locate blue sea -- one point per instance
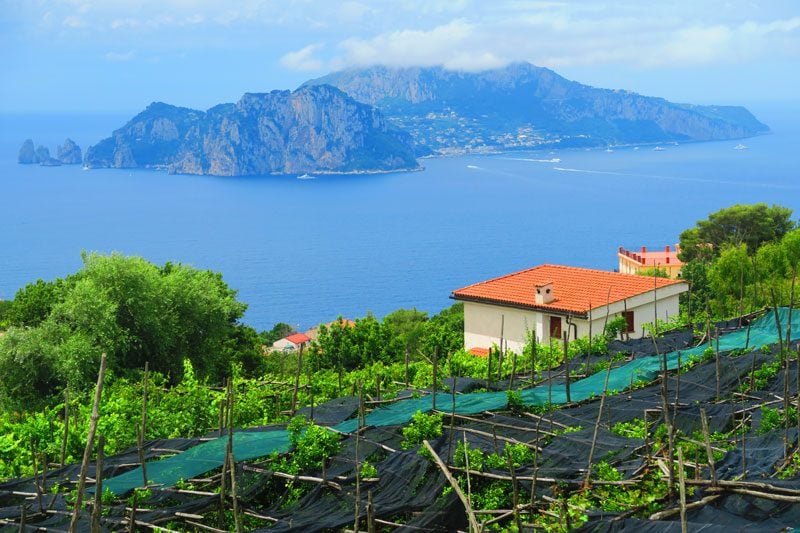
(307, 251)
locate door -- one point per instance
(555, 327)
(629, 322)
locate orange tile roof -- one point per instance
(298, 338)
(480, 352)
(576, 290)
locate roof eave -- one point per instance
(524, 307)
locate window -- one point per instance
(555, 327)
(629, 321)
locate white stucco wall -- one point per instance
(483, 322)
(284, 344)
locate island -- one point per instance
(523, 106)
(315, 129)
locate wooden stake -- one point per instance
(716, 362)
(435, 375)
(370, 513)
(144, 399)
(98, 485)
(66, 427)
(682, 489)
(513, 370)
(566, 364)
(236, 518)
(36, 475)
(132, 521)
(473, 522)
(87, 453)
(586, 482)
(709, 452)
(357, 512)
(466, 467)
(668, 423)
(297, 380)
(515, 489)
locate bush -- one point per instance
(422, 427)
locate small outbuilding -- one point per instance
(550, 300)
(291, 342)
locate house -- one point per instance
(666, 259)
(291, 343)
(550, 300)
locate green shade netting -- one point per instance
(209, 455)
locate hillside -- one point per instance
(313, 129)
(523, 106)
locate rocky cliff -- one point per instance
(522, 105)
(313, 129)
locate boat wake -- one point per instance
(553, 160)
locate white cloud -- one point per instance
(456, 45)
(303, 59)
(119, 57)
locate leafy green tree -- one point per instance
(746, 224)
(133, 311)
(446, 330)
(729, 276)
(278, 331)
(5, 308)
(28, 367)
(404, 329)
(653, 272)
(33, 303)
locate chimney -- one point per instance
(644, 249)
(620, 249)
(667, 257)
(544, 293)
(667, 249)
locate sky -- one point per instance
(120, 55)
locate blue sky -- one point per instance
(120, 55)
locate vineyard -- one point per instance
(651, 435)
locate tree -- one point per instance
(729, 276)
(404, 329)
(653, 272)
(446, 330)
(33, 302)
(133, 311)
(278, 331)
(746, 224)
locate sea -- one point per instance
(305, 251)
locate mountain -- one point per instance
(313, 129)
(523, 106)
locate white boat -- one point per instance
(659, 149)
(740, 146)
(609, 150)
(305, 177)
(85, 167)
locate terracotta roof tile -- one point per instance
(298, 338)
(480, 352)
(576, 290)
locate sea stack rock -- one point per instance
(69, 153)
(42, 154)
(27, 154)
